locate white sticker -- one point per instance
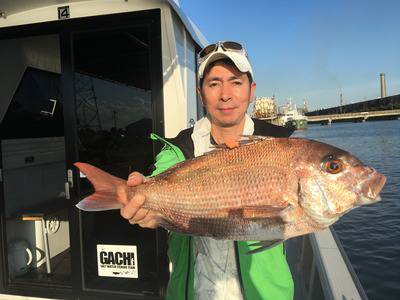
(63, 12)
(117, 261)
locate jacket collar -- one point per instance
(202, 130)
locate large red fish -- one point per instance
(267, 189)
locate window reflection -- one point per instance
(114, 121)
(36, 109)
(33, 175)
(114, 124)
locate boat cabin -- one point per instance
(86, 81)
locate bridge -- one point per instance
(387, 103)
(355, 116)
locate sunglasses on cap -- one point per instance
(226, 46)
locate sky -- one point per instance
(310, 49)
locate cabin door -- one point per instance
(116, 80)
(88, 91)
(35, 202)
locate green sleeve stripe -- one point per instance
(169, 155)
(177, 151)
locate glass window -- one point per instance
(33, 170)
(114, 118)
(36, 109)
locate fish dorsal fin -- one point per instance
(263, 245)
(243, 140)
(252, 139)
(215, 148)
(170, 170)
(262, 211)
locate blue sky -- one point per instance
(310, 49)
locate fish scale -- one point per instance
(230, 179)
(266, 189)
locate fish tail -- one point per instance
(108, 192)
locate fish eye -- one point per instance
(333, 166)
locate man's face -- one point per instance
(226, 94)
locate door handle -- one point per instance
(70, 178)
(67, 194)
(69, 184)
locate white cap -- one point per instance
(238, 58)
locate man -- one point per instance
(205, 268)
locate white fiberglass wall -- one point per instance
(187, 64)
(179, 67)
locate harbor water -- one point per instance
(371, 234)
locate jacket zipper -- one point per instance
(238, 268)
(188, 269)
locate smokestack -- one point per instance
(383, 85)
(341, 103)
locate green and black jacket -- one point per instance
(264, 275)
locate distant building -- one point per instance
(305, 106)
(291, 116)
(290, 106)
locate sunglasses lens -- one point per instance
(227, 45)
(232, 45)
(207, 50)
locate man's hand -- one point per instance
(132, 210)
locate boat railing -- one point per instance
(321, 268)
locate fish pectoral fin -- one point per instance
(263, 245)
(264, 211)
(171, 226)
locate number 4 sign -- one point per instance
(63, 12)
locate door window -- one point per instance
(33, 170)
(114, 120)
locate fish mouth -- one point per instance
(368, 190)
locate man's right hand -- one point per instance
(132, 210)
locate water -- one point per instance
(371, 234)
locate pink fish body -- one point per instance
(268, 189)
